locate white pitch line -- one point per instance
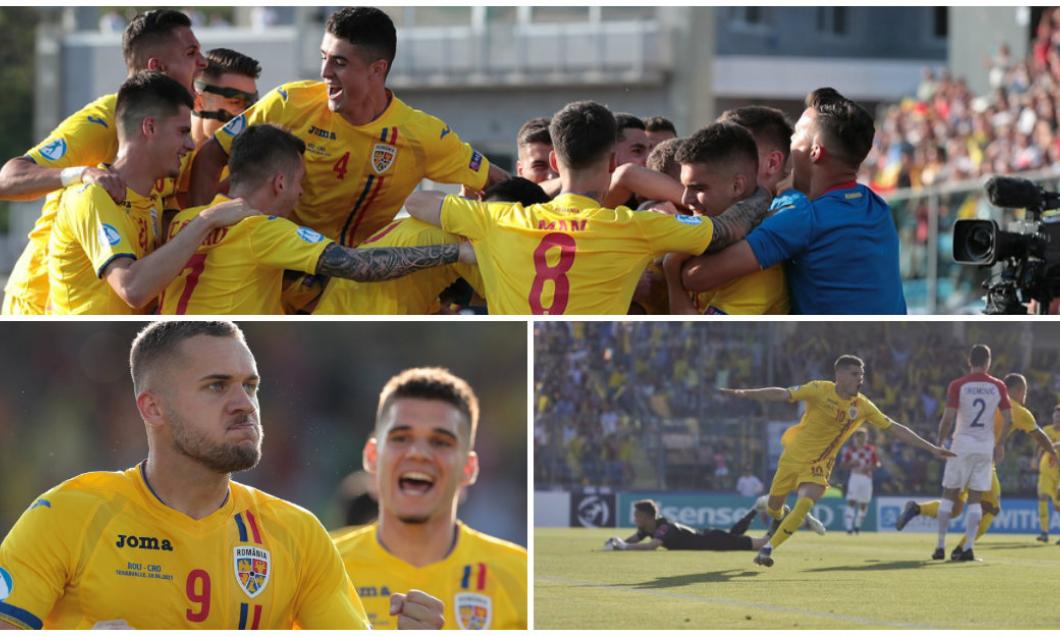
(780, 609)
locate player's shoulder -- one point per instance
(494, 547)
(353, 540)
(419, 121)
(298, 92)
(271, 507)
(87, 491)
(83, 196)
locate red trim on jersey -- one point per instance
(367, 204)
(953, 391)
(842, 186)
(481, 582)
(253, 527)
(257, 615)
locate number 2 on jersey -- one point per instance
(981, 404)
(556, 273)
(198, 594)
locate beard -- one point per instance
(221, 458)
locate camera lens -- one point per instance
(980, 243)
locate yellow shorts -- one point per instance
(993, 496)
(18, 306)
(790, 474)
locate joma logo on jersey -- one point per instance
(319, 132)
(143, 543)
(366, 592)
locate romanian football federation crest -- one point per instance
(473, 611)
(383, 156)
(252, 569)
(853, 412)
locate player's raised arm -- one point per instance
(426, 206)
(385, 263)
(907, 435)
(138, 282)
(206, 173)
(765, 394)
(1045, 445)
(631, 178)
(23, 180)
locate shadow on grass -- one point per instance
(664, 582)
(1012, 545)
(870, 566)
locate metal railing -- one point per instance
(934, 283)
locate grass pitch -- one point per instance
(836, 581)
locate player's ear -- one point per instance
(155, 64)
(148, 126)
(470, 469)
(379, 69)
(775, 162)
(370, 456)
(150, 408)
(279, 183)
(739, 182)
(612, 164)
(553, 162)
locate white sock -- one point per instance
(848, 518)
(971, 523)
(945, 510)
(859, 519)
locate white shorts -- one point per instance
(969, 470)
(859, 488)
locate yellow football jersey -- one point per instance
(568, 256)
(483, 581)
(239, 269)
(828, 421)
(1022, 420)
(102, 546)
(358, 177)
(416, 293)
(1045, 466)
(758, 293)
(89, 232)
(86, 138)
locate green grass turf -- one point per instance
(836, 581)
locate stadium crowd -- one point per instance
(945, 133)
(610, 393)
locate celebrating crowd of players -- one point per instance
(290, 205)
(223, 555)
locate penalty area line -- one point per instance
(711, 600)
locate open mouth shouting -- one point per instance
(415, 484)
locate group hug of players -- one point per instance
(174, 542)
(186, 194)
(981, 413)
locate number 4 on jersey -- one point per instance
(340, 166)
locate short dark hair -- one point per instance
(979, 356)
(845, 123)
(769, 126)
(647, 506)
(516, 190)
(847, 360)
(431, 383)
(534, 131)
(261, 151)
(158, 340)
(583, 133)
(663, 157)
(1015, 380)
(657, 124)
(369, 28)
(221, 61)
(627, 120)
(149, 94)
(719, 142)
(146, 30)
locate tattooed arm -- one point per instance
(736, 222)
(370, 265)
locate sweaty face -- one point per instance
(172, 141)
(181, 58)
(848, 380)
(709, 188)
(347, 74)
(209, 402)
(421, 453)
(801, 144)
(533, 162)
(632, 147)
